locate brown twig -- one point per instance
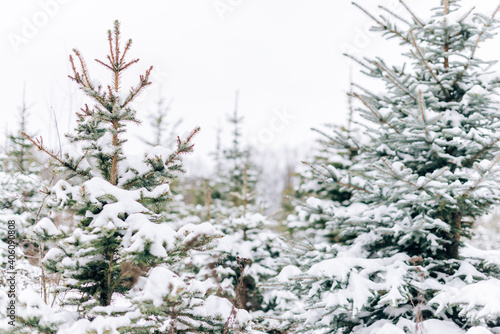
(39, 145)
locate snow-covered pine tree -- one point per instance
(116, 265)
(245, 256)
(238, 171)
(163, 129)
(309, 238)
(222, 193)
(21, 151)
(429, 169)
(23, 189)
(314, 195)
(20, 185)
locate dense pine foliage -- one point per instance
(373, 238)
(428, 169)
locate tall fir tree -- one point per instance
(429, 169)
(117, 265)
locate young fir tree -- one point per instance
(336, 148)
(21, 200)
(238, 172)
(20, 150)
(429, 169)
(164, 129)
(117, 264)
(309, 237)
(20, 185)
(245, 256)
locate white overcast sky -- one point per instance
(285, 57)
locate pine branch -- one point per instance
(384, 26)
(481, 178)
(466, 15)
(422, 187)
(39, 144)
(85, 84)
(381, 120)
(344, 144)
(487, 25)
(395, 176)
(484, 150)
(358, 61)
(334, 178)
(366, 91)
(104, 64)
(411, 13)
(84, 69)
(394, 14)
(446, 93)
(110, 42)
(127, 47)
(391, 77)
(183, 147)
(135, 91)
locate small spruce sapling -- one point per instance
(123, 245)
